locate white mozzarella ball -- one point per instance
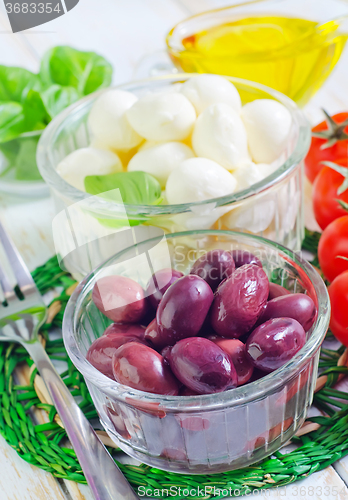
(204, 90)
(219, 134)
(254, 216)
(268, 125)
(148, 144)
(251, 173)
(198, 179)
(108, 123)
(160, 160)
(88, 161)
(162, 117)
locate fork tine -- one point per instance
(20, 270)
(6, 287)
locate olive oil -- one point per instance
(294, 56)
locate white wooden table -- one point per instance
(123, 31)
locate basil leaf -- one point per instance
(56, 98)
(25, 162)
(85, 71)
(136, 188)
(35, 114)
(15, 83)
(11, 120)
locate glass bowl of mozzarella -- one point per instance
(174, 153)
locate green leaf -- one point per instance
(136, 188)
(15, 83)
(11, 120)
(85, 71)
(35, 114)
(25, 164)
(20, 154)
(56, 98)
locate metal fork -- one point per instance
(20, 321)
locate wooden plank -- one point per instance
(121, 31)
(341, 466)
(22, 481)
(30, 225)
(14, 49)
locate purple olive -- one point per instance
(129, 329)
(297, 306)
(257, 375)
(166, 352)
(274, 343)
(118, 421)
(183, 309)
(242, 257)
(142, 368)
(152, 335)
(237, 353)
(202, 366)
(239, 301)
(101, 350)
(121, 299)
(214, 267)
(159, 282)
(185, 391)
(276, 291)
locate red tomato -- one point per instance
(317, 155)
(338, 291)
(325, 205)
(333, 244)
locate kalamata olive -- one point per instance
(121, 299)
(174, 454)
(239, 301)
(242, 257)
(142, 368)
(296, 305)
(118, 421)
(153, 335)
(257, 374)
(101, 350)
(159, 282)
(276, 291)
(129, 329)
(183, 309)
(237, 353)
(275, 342)
(202, 366)
(214, 267)
(166, 353)
(185, 391)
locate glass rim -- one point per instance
(57, 183)
(233, 397)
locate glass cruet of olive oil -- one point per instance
(289, 45)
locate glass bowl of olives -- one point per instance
(200, 349)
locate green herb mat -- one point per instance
(43, 445)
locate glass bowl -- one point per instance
(18, 169)
(209, 433)
(294, 57)
(272, 208)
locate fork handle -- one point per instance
(103, 475)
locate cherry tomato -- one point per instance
(338, 291)
(325, 194)
(338, 150)
(333, 245)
